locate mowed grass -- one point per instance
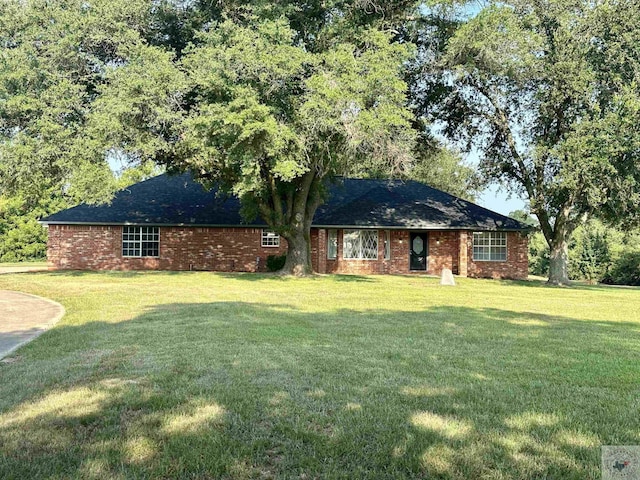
(28, 263)
(202, 375)
(34, 263)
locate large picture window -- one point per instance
(270, 239)
(360, 244)
(140, 241)
(490, 246)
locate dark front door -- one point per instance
(418, 249)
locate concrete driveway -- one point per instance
(23, 317)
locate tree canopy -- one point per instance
(267, 100)
(548, 92)
(251, 108)
(54, 57)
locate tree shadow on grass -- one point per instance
(253, 277)
(242, 276)
(238, 390)
(355, 278)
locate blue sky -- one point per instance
(495, 197)
(496, 200)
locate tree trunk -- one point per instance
(298, 261)
(558, 262)
(297, 225)
(557, 237)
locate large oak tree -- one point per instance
(267, 100)
(254, 109)
(548, 92)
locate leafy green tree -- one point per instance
(268, 100)
(21, 236)
(625, 258)
(443, 168)
(626, 270)
(538, 255)
(590, 253)
(524, 216)
(253, 109)
(273, 120)
(54, 57)
(597, 253)
(548, 92)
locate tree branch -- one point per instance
(501, 122)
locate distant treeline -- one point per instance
(22, 238)
(597, 253)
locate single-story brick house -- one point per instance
(366, 226)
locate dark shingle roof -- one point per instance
(178, 200)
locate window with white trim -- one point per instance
(360, 244)
(140, 241)
(332, 244)
(490, 246)
(270, 239)
(387, 245)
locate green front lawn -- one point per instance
(29, 263)
(200, 375)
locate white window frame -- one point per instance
(269, 239)
(358, 248)
(387, 244)
(135, 237)
(332, 244)
(490, 247)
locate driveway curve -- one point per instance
(23, 317)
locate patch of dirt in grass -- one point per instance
(326, 430)
(10, 360)
(129, 417)
(119, 382)
(111, 360)
(274, 457)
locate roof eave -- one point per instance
(259, 225)
(153, 224)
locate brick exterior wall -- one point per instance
(443, 251)
(83, 247)
(517, 264)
